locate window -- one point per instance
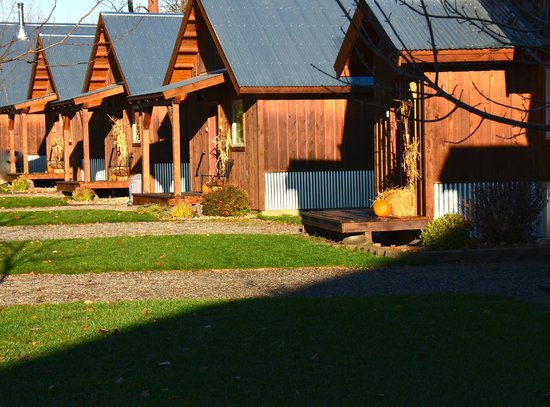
(237, 131)
(134, 121)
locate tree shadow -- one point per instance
(314, 345)
(15, 254)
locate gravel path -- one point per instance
(528, 281)
(250, 226)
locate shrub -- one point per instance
(452, 231)
(181, 211)
(83, 194)
(5, 187)
(20, 184)
(155, 210)
(227, 201)
(505, 212)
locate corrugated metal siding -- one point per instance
(97, 170)
(318, 190)
(164, 177)
(280, 43)
(457, 24)
(450, 198)
(37, 163)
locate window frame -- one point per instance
(235, 122)
(135, 125)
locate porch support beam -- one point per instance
(67, 150)
(145, 122)
(12, 144)
(86, 143)
(176, 148)
(25, 141)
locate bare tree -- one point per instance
(528, 31)
(173, 6)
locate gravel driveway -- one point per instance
(528, 281)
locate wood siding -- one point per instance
(317, 134)
(464, 148)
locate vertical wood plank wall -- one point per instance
(317, 134)
(464, 148)
(36, 134)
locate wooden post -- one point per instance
(86, 143)
(66, 128)
(176, 148)
(12, 144)
(25, 141)
(145, 121)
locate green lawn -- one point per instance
(183, 252)
(286, 219)
(31, 202)
(70, 217)
(431, 350)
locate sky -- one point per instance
(65, 11)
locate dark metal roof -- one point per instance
(143, 45)
(280, 43)
(67, 62)
(456, 24)
(17, 56)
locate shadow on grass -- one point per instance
(15, 254)
(452, 350)
(10, 255)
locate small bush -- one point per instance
(20, 184)
(181, 211)
(505, 212)
(83, 194)
(5, 188)
(155, 210)
(227, 201)
(452, 231)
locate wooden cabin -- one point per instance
(39, 76)
(245, 81)
(130, 55)
(478, 106)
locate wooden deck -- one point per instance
(70, 186)
(359, 221)
(166, 199)
(36, 176)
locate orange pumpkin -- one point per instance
(382, 208)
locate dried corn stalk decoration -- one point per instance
(119, 140)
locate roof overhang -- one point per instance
(35, 105)
(347, 87)
(179, 91)
(456, 56)
(92, 99)
(349, 41)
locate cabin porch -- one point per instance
(36, 176)
(69, 186)
(359, 221)
(166, 199)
